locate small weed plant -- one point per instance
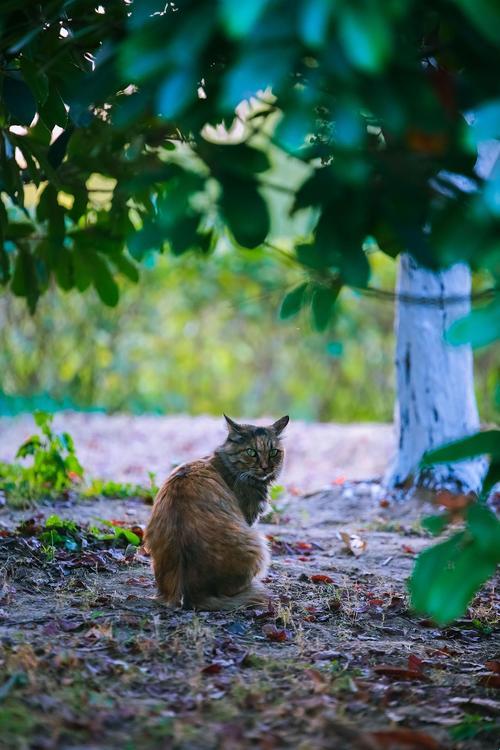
(49, 468)
(54, 468)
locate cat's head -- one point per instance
(255, 451)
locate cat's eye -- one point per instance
(251, 452)
(273, 452)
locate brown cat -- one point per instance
(205, 553)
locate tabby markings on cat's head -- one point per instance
(254, 452)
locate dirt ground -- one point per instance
(91, 660)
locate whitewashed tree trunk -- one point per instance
(435, 381)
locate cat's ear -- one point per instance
(233, 426)
(280, 425)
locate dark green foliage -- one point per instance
(487, 442)
(369, 98)
(447, 575)
(293, 301)
(483, 443)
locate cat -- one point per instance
(205, 553)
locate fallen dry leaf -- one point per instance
(493, 665)
(354, 543)
(213, 668)
(303, 545)
(96, 632)
(409, 550)
(321, 578)
(415, 663)
(490, 681)
(273, 633)
(411, 739)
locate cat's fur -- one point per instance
(205, 552)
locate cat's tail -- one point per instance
(255, 595)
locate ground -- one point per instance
(91, 659)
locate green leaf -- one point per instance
(57, 149)
(313, 21)
(48, 209)
(292, 302)
(245, 212)
(17, 230)
(435, 524)
(480, 444)
(485, 527)
(126, 267)
(29, 447)
(491, 478)
(255, 70)
(64, 268)
(182, 235)
(19, 100)
(322, 303)
(106, 286)
(175, 93)
(447, 575)
(150, 237)
(53, 111)
(480, 328)
(36, 79)
(24, 279)
(366, 37)
(54, 520)
(43, 419)
(128, 535)
(485, 14)
(240, 17)
(235, 158)
(313, 256)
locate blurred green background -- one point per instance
(202, 335)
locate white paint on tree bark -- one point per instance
(436, 401)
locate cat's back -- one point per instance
(194, 483)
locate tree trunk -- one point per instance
(435, 381)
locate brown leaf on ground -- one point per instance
(493, 665)
(213, 668)
(303, 545)
(415, 663)
(409, 739)
(321, 578)
(399, 673)
(273, 633)
(490, 681)
(408, 549)
(354, 543)
(98, 632)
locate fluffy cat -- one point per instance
(205, 552)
